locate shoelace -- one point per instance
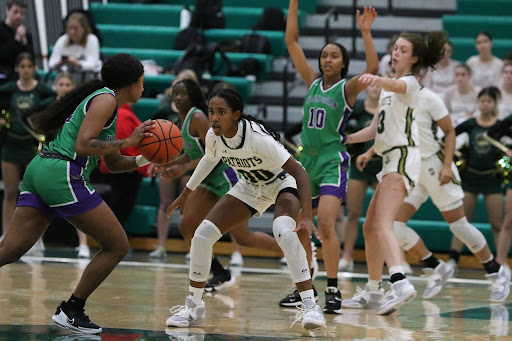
(359, 293)
(431, 279)
(300, 314)
(177, 309)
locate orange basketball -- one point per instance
(165, 143)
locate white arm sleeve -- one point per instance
(91, 54)
(204, 167)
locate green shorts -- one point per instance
(220, 180)
(369, 173)
(327, 172)
(58, 188)
(481, 182)
(19, 151)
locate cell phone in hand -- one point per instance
(64, 58)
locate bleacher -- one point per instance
(473, 16)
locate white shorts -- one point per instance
(446, 197)
(403, 160)
(261, 197)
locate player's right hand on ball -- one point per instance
(140, 132)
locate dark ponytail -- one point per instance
(428, 48)
(118, 71)
(236, 103)
(51, 119)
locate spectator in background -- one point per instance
(385, 61)
(14, 39)
(485, 66)
(443, 76)
(78, 50)
(20, 146)
(461, 97)
(125, 186)
(64, 83)
(505, 106)
(169, 189)
(166, 108)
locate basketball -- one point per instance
(165, 143)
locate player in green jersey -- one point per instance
(56, 182)
(328, 103)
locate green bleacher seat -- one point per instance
(463, 48)
(141, 220)
(165, 58)
(468, 26)
(169, 15)
(148, 194)
(308, 6)
(145, 108)
(162, 37)
(488, 7)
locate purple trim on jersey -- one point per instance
(341, 128)
(339, 191)
(80, 207)
(231, 175)
(81, 161)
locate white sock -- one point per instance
(373, 285)
(396, 269)
(195, 293)
(307, 295)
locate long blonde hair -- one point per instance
(82, 20)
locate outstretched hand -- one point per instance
(368, 79)
(366, 20)
(309, 226)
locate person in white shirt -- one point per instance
(485, 66)
(505, 105)
(461, 98)
(78, 49)
(443, 76)
(396, 139)
(270, 175)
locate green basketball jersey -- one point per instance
(325, 113)
(192, 145)
(64, 142)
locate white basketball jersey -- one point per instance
(251, 152)
(430, 109)
(397, 126)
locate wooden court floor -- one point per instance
(133, 304)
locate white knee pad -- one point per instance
(468, 234)
(201, 250)
(293, 250)
(405, 235)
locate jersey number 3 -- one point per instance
(316, 118)
(382, 116)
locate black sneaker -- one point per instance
(293, 299)
(332, 301)
(220, 281)
(74, 321)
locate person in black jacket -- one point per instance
(14, 39)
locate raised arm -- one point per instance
(364, 134)
(353, 87)
(306, 71)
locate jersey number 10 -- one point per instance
(316, 118)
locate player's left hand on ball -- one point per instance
(140, 132)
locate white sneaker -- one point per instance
(188, 315)
(451, 262)
(407, 268)
(236, 259)
(83, 251)
(311, 315)
(436, 278)
(401, 292)
(159, 252)
(345, 265)
(500, 285)
(364, 299)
